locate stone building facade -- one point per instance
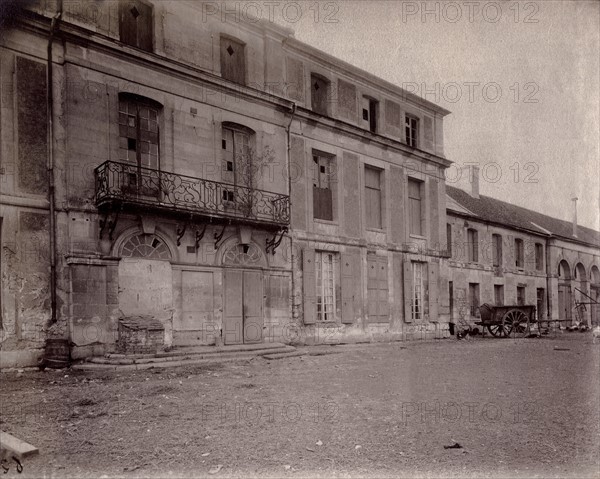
(502, 254)
(217, 176)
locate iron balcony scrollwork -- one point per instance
(128, 183)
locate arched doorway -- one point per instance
(242, 293)
(595, 295)
(564, 291)
(145, 277)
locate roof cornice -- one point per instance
(326, 60)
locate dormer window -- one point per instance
(136, 24)
(319, 94)
(411, 124)
(369, 114)
(233, 60)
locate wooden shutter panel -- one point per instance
(349, 277)
(407, 271)
(427, 133)
(309, 286)
(144, 26)
(127, 24)
(433, 275)
(383, 293)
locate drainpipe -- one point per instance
(51, 197)
(288, 162)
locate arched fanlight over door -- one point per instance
(147, 246)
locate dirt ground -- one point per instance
(518, 408)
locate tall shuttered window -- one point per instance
(322, 187)
(373, 197)
(136, 24)
(519, 253)
(496, 250)
(415, 205)
(472, 245)
(233, 60)
(474, 299)
(539, 256)
(319, 94)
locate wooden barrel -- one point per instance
(57, 354)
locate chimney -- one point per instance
(574, 200)
(468, 179)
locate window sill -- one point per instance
(412, 235)
(376, 230)
(326, 222)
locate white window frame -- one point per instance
(419, 305)
(325, 262)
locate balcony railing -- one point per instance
(130, 184)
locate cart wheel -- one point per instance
(500, 330)
(517, 321)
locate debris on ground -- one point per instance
(454, 445)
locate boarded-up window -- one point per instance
(319, 94)
(499, 294)
(322, 187)
(32, 121)
(392, 114)
(327, 280)
(294, 87)
(541, 302)
(539, 256)
(233, 60)
(415, 206)
(472, 245)
(411, 125)
(474, 299)
(347, 100)
(136, 24)
(377, 288)
(420, 291)
(497, 250)
(373, 197)
(519, 253)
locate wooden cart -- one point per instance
(501, 321)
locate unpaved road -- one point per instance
(518, 408)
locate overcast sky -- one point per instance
(521, 80)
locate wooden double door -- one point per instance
(243, 306)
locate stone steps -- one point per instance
(186, 356)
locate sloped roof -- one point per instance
(497, 211)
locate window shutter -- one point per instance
(427, 133)
(144, 26)
(309, 286)
(349, 277)
(372, 291)
(383, 293)
(127, 24)
(407, 271)
(433, 272)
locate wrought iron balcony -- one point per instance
(128, 184)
